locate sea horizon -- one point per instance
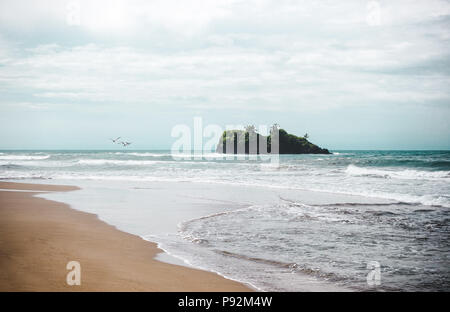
(205, 151)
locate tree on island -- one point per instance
(275, 127)
(250, 129)
(286, 143)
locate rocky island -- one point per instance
(238, 143)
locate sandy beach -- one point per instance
(38, 237)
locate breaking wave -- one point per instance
(117, 162)
(23, 157)
(397, 174)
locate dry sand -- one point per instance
(39, 237)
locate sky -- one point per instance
(352, 74)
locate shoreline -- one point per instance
(189, 202)
(39, 237)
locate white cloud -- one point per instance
(290, 55)
(218, 75)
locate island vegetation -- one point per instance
(238, 142)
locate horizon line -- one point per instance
(148, 149)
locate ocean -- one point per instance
(311, 221)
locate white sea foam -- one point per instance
(429, 199)
(14, 175)
(23, 157)
(145, 154)
(117, 162)
(36, 163)
(397, 174)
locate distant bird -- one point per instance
(125, 144)
(115, 140)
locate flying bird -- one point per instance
(125, 144)
(115, 140)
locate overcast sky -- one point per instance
(353, 74)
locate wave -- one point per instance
(400, 162)
(292, 267)
(132, 162)
(34, 164)
(8, 165)
(23, 157)
(149, 154)
(23, 177)
(440, 164)
(436, 200)
(347, 204)
(397, 174)
(146, 154)
(117, 162)
(165, 246)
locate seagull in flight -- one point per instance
(115, 140)
(125, 144)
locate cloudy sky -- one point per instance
(353, 74)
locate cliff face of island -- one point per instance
(239, 140)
